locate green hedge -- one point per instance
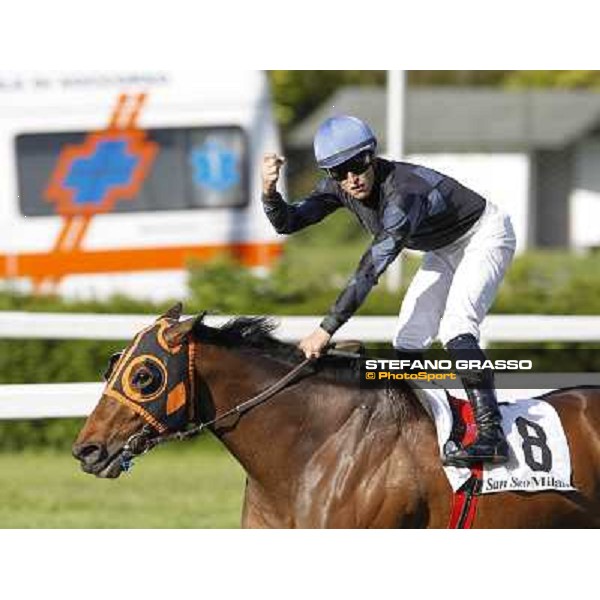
(552, 283)
(542, 283)
(54, 434)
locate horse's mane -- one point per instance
(256, 333)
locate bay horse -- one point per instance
(320, 452)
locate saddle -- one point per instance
(539, 456)
(346, 349)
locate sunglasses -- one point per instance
(357, 166)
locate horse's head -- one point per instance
(149, 392)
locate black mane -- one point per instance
(248, 332)
(256, 333)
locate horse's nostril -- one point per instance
(89, 453)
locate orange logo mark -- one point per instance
(89, 178)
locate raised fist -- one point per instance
(271, 168)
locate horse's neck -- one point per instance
(276, 436)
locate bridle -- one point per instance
(143, 436)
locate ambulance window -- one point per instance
(217, 171)
(37, 156)
(194, 168)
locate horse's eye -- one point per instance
(147, 379)
(142, 378)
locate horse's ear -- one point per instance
(178, 332)
(174, 312)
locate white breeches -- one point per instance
(456, 285)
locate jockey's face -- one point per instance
(356, 176)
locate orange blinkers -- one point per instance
(156, 380)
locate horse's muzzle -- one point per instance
(89, 453)
(95, 460)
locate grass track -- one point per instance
(196, 486)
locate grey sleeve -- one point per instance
(288, 218)
(398, 223)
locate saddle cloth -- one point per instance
(539, 453)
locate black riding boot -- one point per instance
(490, 444)
(412, 355)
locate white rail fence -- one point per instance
(496, 328)
(78, 399)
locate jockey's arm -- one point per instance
(398, 224)
(288, 218)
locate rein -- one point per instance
(128, 450)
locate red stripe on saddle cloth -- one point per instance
(464, 501)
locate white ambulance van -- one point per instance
(112, 182)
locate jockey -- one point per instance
(468, 244)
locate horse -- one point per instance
(318, 451)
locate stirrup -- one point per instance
(468, 456)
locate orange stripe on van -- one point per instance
(79, 262)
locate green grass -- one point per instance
(191, 485)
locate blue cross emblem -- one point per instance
(92, 177)
(214, 166)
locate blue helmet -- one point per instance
(341, 138)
